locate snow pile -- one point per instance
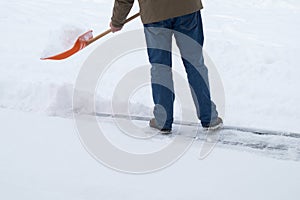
(62, 39)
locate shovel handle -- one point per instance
(109, 30)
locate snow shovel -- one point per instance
(82, 42)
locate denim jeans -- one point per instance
(159, 45)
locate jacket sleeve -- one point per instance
(120, 11)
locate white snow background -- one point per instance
(255, 46)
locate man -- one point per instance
(162, 19)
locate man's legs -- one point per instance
(159, 43)
(191, 51)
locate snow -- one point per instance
(43, 159)
(255, 47)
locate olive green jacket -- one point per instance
(154, 10)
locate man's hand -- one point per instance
(114, 29)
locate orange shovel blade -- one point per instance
(80, 43)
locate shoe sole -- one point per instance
(152, 125)
(165, 132)
(213, 128)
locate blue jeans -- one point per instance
(159, 45)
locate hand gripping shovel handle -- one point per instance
(109, 30)
(83, 41)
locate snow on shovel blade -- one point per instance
(80, 43)
(83, 41)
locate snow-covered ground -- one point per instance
(42, 158)
(255, 46)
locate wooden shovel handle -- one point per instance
(109, 30)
